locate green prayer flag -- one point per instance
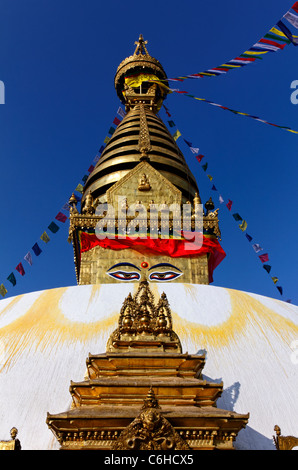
(237, 217)
(171, 123)
(45, 238)
(11, 278)
(3, 291)
(53, 227)
(205, 166)
(267, 268)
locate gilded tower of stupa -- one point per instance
(142, 183)
(144, 392)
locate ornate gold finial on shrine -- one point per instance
(144, 324)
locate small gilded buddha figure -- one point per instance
(144, 184)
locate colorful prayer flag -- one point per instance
(36, 249)
(61, 217)
(66, 207)
(116, 121)
(221, 200)
(199, 158)
(176, 135)
(28, 258)
(91, 168)
(287, 32)
(264, 257)
(237, 217)
(275, 279)
(205, 166)
(293, 19)
(53, 227)
(3, 290)
(96, 158)
(243, 226)
(111, 130)
(107, 140)
(213, 188)
(267, 268)
(11, 278)
(101, 149)
(280, 289)
(249, 238)
(295, 7)
(79, 188)
(171, 123)
(257, 247)
(121, 112)
(210, 177)
(229, 204)
(20, 269)
(44, 237)
(194, 149)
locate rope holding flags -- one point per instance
(201, 159)
(275, 40)
(61, 217)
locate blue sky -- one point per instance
(58, 60)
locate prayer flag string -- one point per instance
(242, 223)
(61, 217)
(274, 40)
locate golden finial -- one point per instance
(141, 46)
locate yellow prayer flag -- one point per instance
(136, 80)
(210, 177)
(275, 279)
(276, 31)
(107, 140)
(229, 65)
(243, 226)
(255, 52)
(176, 135)
(45, 238)
(3, 291)
(79, 188)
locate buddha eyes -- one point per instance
(164, 276)
(159, 276)
(125, 276)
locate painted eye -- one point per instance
(125, 275)
(164, 276)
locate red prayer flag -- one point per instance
(20, 269)
(295, 7)
(272, 43)
(247, 59)
(229, 204)
(91, 168)
(199, 158)
(264, 257)
(61, 217)
(116, 121)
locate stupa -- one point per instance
(184, 361)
